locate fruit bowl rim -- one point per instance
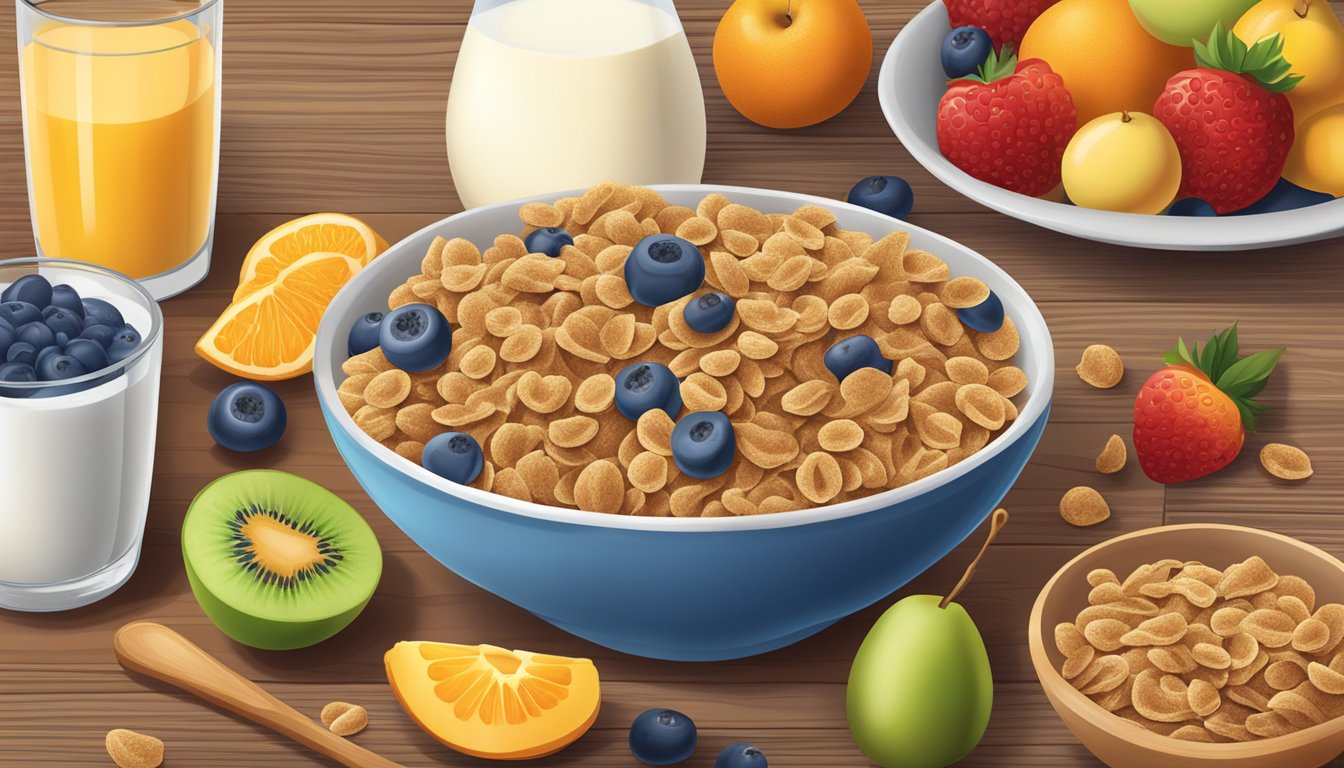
(1032, 330)
(1185, 233)
(1099, 717)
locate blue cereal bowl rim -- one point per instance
(1032, 329)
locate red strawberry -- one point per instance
(1191, 418)
(1006, 21)
(1232, 123)
(1009, 124)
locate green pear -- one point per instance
(1184, 21)
(921, 689)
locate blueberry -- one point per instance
(124, 343)
(37, 334)
(7, 337)
(548, 240)
(33, 289)
(21, 352)
(1285, 196)
(246, 416)
(58, 367)
(99, 312)
(710, 312)
(644, 386)
(965, 50)
(703, 444)
(849, 355)
(889, 195)
(662, 737)
(67, 297)
(1191, 206)
(44, 353)
(103, 334)
(454, 456)
(663, 268)
(415, 337)
(19, 372)
(88, 352)
(62, 320)
(741, 755)
(985, 317)
(20, 313)
(364, 334)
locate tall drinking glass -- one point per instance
(121, 132)
(558, 94)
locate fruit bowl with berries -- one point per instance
(709, 577)
(1113, 120)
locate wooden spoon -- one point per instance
(159, 652)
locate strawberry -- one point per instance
(1230, 118)
(1006, 21)
(1191, 418)
(1008, 125)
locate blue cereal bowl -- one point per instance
(694, 589)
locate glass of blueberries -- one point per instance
(80, 359)
(54, 340)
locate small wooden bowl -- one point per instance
(1122, 744)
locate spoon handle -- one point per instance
(159, 652)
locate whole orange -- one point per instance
(789, 64)
(1109, 62)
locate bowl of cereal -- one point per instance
(1228, 654)
(679, 493)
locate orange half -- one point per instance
(293, 240)
(493, 703)
(270, 333)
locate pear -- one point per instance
(921, 689)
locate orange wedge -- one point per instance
(293, 240)
(269, 334)
(488, 702)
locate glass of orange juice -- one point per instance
(121, 132)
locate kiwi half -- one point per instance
(277, 561)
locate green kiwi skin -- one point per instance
(265, 629)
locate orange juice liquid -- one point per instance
(121, 127)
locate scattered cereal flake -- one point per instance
(1113, 456)
(1083, 506)
(1101, 366)
(1285, 462)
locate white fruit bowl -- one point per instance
(911, 82)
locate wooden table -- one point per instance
(338, 105)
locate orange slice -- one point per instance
(488, 702)
(293, 240)
(269, 334)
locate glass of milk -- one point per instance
(76, 457)
(549, 95)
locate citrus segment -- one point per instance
(269, 334)
(494, 703)
(293, 240)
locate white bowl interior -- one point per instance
(369, 290)
(910, 84)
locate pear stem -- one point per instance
(996, 523)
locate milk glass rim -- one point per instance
(147, 340)
(35, 7)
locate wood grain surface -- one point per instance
(338, 105)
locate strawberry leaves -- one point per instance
(1263, 61)
(998, 65)
(1240, 378)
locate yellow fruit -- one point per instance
(1109, 62)
(269, 334)
(1317, 159)
(1124, 161)
(1313, 43)
(291, 241)
(487, 702)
